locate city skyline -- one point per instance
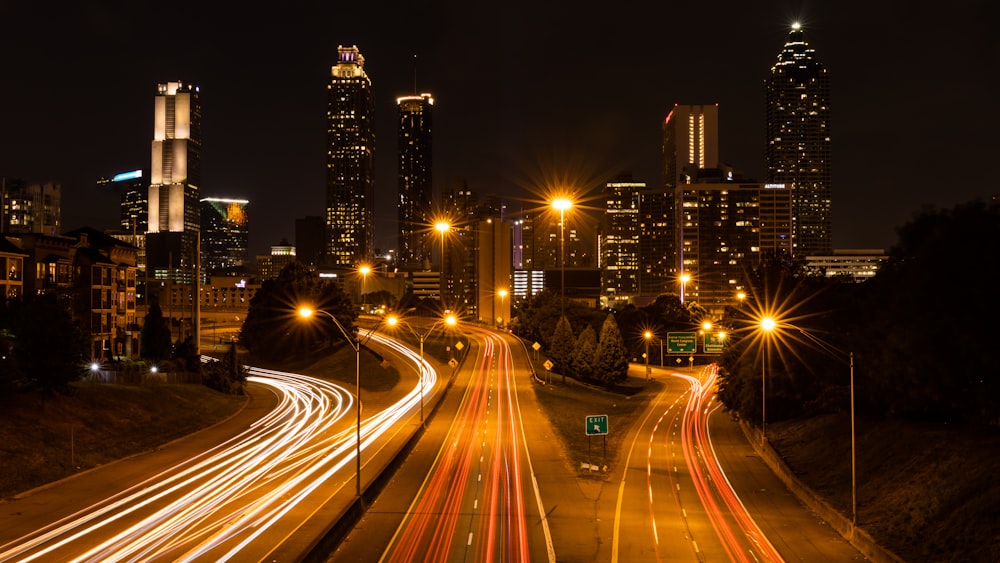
(521, 104)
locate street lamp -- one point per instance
(647, 335)
(839, 354)
(306, 313)
(503, 295)
(685, 278)
(767, 324)
(562, 204)
(364, 270)
(449, 320)
(442, 227)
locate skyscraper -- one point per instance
(619, 246)
(225, 235)
(175, 176)
(798, 151)
(690, 137)
(350, 161)
(690, 142)
(416, 119)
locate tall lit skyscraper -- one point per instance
(416, 119)
(690, 142)
(175, 177)
(225, 235)
(798, 148)
(619, 241)
(350, 161)
(690, 138)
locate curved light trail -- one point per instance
(472, 505)
(238, 500)
(734, 529)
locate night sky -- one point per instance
(528, 95)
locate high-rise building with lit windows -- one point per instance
(798, 151)
(416, 120)
(175, 176)
(619, 239)
(350, 161)
(690, 142)
(225, 235)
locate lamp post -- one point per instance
(562, 204)
(442, 227)
(364, 270)
(305, 313)
(647, 335)
(685, 278)
(449, 320)
(503, 295)
(767, 324)
(839, 354)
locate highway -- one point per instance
(479, 501)
(240, 500)
(693, 490)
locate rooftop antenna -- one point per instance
(414, 74)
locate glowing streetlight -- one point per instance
(442, 227)
(503, 296)
(306, 313)
(684, 279)
(364, 270)
(767, 324)
(448, 320)
(648, 335)
(562, 204)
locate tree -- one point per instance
(561, 348)
(227, 375)
(154, 338)
(273, 329)
(583, 353)
(49, 346)
(610, 360)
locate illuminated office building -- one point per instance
(690, 142)
(133, 189)
(416, 119)
(30, 208)
(175, 175)
(619, 240)
(225, 235)
(350, 162)
(725, 227)
(798, 152)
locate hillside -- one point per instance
(46, 438)
(926, 491)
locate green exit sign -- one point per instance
(597, 424)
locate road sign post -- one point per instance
(597, 425)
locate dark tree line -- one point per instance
(41, 345)
(921, 331)
(273, 329)
(594, 345)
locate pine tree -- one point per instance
(561, 347)
(610, 361)
(584, 353)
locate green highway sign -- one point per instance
(682, 342)
(597, 424)
(714, 342)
